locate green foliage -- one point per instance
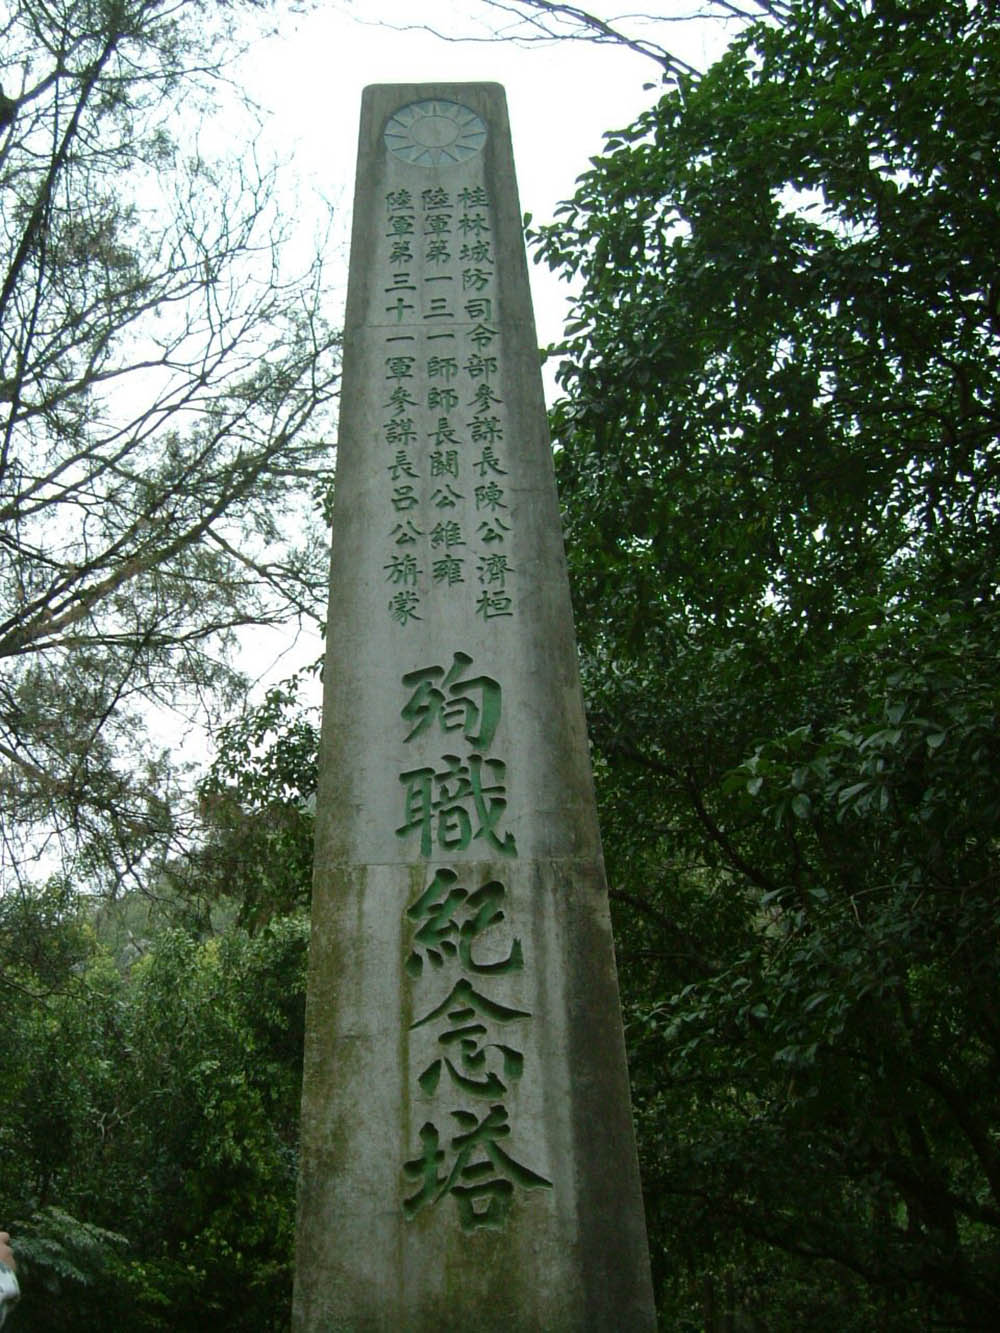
(257, 805)
(148, 1129)
(55, 1251)
(778, 456)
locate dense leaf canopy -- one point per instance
(778, 459)
(150, 1070)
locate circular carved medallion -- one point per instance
(430, 133)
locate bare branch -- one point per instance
(532, 22)
(160, 375)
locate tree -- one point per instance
(778, 457)
(258, 805)
(162, 381)
(150, 1076)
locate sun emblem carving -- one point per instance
(430, 134)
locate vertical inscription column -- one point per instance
(445, 420)
(467, 1152)
(455, 929)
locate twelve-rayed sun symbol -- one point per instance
(431, 133)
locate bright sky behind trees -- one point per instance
(562, 98)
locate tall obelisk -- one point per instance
(468, 1160)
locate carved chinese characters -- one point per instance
(458, 954)
(447, 508)
(447, 532)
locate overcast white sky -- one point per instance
(562, 98)
(308, 78)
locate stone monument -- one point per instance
(468, 1160)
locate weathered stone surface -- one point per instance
(467, 1151)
